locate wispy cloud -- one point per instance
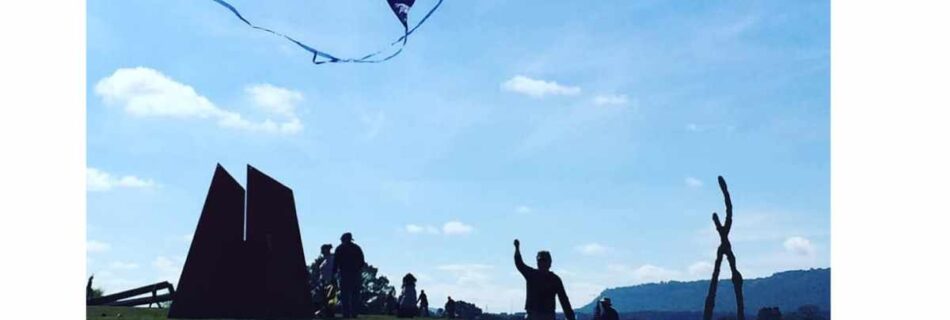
(373, 122)
(418, 229)
(98, 180)
(700, 269)
(168, 268)
(538, 88)
(610, 100)
(456, 228)
(93, 246)
(692, 127)
(799, 246)
(523, 209)
(693, 182)
(646, 273)
(119, 265)
(449, 229)
(468, 273)
(476, 283)
(146, 92)
(592, 249)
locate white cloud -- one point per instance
(700, 269)
(449, 228)
(93, 246)
(610, 100)
(799, 246)
(468, 273)
(477, 283)
(98, 180)
(456, 228)
(592, 249)
(693, 182)
(275, 100)
(146, 92)
(119, 265)
(169, 269)
(417, 229)
(651, 273)
(646, 273)
(537, 88)
(523, 209)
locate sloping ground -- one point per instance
(787, 290)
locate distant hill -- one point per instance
(787, 290)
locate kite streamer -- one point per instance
(400, 9)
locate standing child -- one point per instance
(407, 298)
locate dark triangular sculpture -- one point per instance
(228, 276)
(273, 237)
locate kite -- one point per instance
(399, 7)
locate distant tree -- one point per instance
(769, 313)
(809, 312)
(376, 290)
(96, 292)
(465, 310)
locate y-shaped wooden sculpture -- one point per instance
(725, 249)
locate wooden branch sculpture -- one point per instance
(725, 249)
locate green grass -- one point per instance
(100, 312)
(126, 313)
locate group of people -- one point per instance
(337, 277)
(408, 305)
(342, 269)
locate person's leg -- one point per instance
(345, 298)
(352, 296)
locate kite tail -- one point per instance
(321, 57)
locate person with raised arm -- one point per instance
(542, 286)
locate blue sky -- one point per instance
(594, 130)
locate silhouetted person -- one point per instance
(348, 264)
(607, 310)
(423, 304)
(407, 298)
(450, 308)
(598, 311)
(323, 285)
(392, 304)
(542, 286)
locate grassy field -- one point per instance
(99, 312)
(154, 313)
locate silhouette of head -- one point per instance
(408, 280)
(544, 260)
(605, 302)
(346, 237)
(325, 249)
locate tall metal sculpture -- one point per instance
(725, 249)
(229, 276)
